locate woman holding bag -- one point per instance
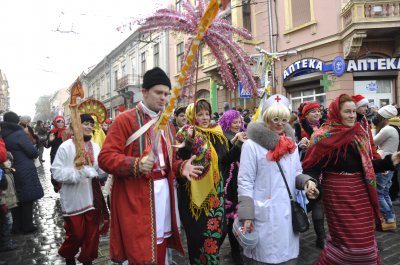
(263, 197)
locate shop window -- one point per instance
(317, 95)
(378, 92)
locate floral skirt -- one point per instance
(204, 235)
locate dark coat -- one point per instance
(27, 184)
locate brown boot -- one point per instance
(388, 226)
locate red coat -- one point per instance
(3, 151)
(133, 226)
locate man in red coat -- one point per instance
(143, 219)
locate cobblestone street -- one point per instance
(41, 247)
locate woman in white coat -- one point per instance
(263, 198)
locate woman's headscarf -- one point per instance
(203, 189)
(334, 137)
(56, 130)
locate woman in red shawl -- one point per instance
(55, 138)
(340, 150)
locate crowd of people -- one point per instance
(206, 172)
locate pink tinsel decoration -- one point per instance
(229, 55)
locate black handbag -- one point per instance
(300, 221)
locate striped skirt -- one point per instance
(350, 218)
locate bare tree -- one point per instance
(43, 109)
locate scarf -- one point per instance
(58, 131)
(284, 146)
(332, 138)
(203, 189)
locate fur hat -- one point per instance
(388, 111)
(155, 76)
(360, 100)
(11, 116)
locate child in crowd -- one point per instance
(8, 200)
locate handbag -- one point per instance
(300, 221)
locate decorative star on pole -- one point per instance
(325, 82)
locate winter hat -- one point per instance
(308, 107)
(360, 100)
(86, 117)
(11, 117)
(388, 111)
(155, 76)
(107, 121)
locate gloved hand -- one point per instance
(146, 163)
(88, 172)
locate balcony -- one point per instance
(374, 14)
(127, 81)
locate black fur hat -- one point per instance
(155, 76)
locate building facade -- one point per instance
(343, 46)
(4, 94)
(117, 79)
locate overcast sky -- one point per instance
(46, 44)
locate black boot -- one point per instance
(70, 261)
(319, 229)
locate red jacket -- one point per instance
(133, 226)
(3, 151)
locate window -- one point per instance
(102, 87)
(298, 13)
(108, 85)
(143, 62)
(201, 53)
(318, 95)
(179, 56)
(178, 5)
(377, 91)
(156, 51)
(246, 13)
(116, 79)
(97, 89)
(123, 70)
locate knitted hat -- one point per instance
(388, 111)
(308, 107)
(360, 100)
(155, 76)
(86, 117)
(11, 117)
(107, 121)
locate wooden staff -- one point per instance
(80, 157)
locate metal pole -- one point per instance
(271, 42)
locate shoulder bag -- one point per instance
(300, 221)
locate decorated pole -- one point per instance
(205, 22)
